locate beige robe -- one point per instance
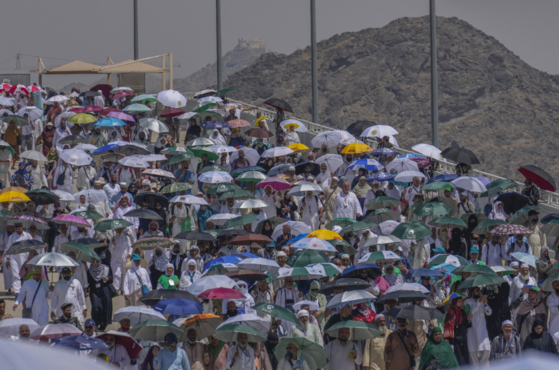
(329, 198)
(373, 354)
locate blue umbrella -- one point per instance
(221, 260)
(351, 272)
(297, 238)
(444, 177)
(104, 149)
(244, 255)
(410, 155)
(447, 267)
(381, 176)
(315, 168)
(178, 306)
(80, 343)
(215, 124)
(385, 151)
(426, 272)
(239, 171)
(368, 164)
(110, 122)
(278, 169)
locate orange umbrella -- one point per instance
(14, 188)
(203, 324)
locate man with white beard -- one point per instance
(516, 295)
(121, 249)
(241, 355)
(311, 210)
(342, 353)
(305, 330)
(323, 176)
(346, 204)
(373, 353)
(272, 201)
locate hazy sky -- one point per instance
(92, 30)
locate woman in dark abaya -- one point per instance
(539, 339)
(100, 279)
(498, 300)
(468, 232)
(455, 329)
(456, 244)
(267, 229)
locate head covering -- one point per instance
(533, 334)
(440, 351)
(65, 305)
(37, 270)
(514, 264)
(380, 315)
(474, 250)
(161, 261)
(97, 273)
(302, 313)
(136, 257)
(20, 171)
(172, 272)
(314, 285)
(506, 322)
(439, 249)
(499, 214)
(172, 338)
(281, 254)
(523, 265)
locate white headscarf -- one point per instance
(219, 139)
(498, 215)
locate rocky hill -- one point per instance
(246, 52)
(489, 99)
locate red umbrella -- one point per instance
(105, 89)
(421, 162)
(35, 88)
(510, 230)
(122, 94)
(132, 347)
(538, 177)
(221, 293)
(250, 238)
(19, 88)
(5, 87)
(77, 110)
(93, 108)
(172, 112)
(106, 111)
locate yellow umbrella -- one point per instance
(298, 147)
(325, 234)
(82, 118)
(14, 197)
(14, 188)
(258, 121)
(356, 148)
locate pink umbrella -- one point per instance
(77, 110)
(52, 331)
(71, 220)
(421, 162)
(221, 293)
(122, 116)
(510, 230)
(158, 172)
(276, 183)
(106, 111)
(238, 123)
(122, 94)
(93, 108)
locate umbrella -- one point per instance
(529, 259)
(432, 209)
(381, 176)
(160, 173)
(551, 228)
(24, 246)
(201, 141)
(144, 98)
(473, 269)
(156, 295)
(275, 183)
(428, 151)
(134, 162)
(237, 123)
(315, 244)
(137, 314)
(539, 177)
(402, 164)
(88, 215)
(200, 152)
(487, 225)
(215, 177)
(175, 187)
(86, 147)
(71, 220)
(259, 133)
(154, 330)
(171, 98)
(250, 154)
(298, 148)
(302, 258)
(460, 155)
(111, 225)
(447, 258)
(416, 312)
(195, 235)
(251, 320)
(480, 217)
(510, 230)
(347, 284)
(356, 226)
(27, 221)
(33, 155)
(297, 228)
(380, 256)
(438, 185)
(340, 221)
(83, 252)
(448, 222)
(92, 195)
(154, 158)
(469, 183)
(153, 198)
(547, 285)
(324, 234)
(373, 271)
(332, 161)
(408, 176)
(351, 298)
(110, 122)
(276, 311)
(358, 127)
(75, 157)
(82, 118)
(10, 327)
(298, 125)
(411, 230)
(378, 131)
(52, 331)
(382, 240)
(227, 332)
(203, 324)
(481, 280)
(153, 242)
(211, 282)
(368, 164)
(251, 176)
(497, 186)
(302, 189)
(426, 272)
(189, 199)
(298, 273)
(132, 347)
(402, 296)
(523, 215)
(143, 213)
(327, 269)
(137, 108)
(380, 216)
(356, 148)
(222, 188)
(80, 343)
(277, 151)
(221, 293)
(220, 219)
(53, 259)
(312, 352)
(278, 103)
(13, 197)
(178, 306)
(357, 330)
(260, 264)
(240, 221)
(250, 238)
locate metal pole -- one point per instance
(313, 64)
(434, 93)
(218, 42)
(136, 52)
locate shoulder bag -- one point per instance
(433, 364)
(27, 312)
(145, 289)
(412, 359)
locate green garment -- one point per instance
(320, 299)
(164, 281)
(442, 352)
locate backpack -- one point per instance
(19, 180)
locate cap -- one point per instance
(271, 244)
(300, 177)
(527, 182)
(65, 305)
(254, 245)
(281, 254)
(49, 124)
(302, 313)
(447, 189)
(506, 322)
(398, 248)
(18, 224)
(37, 270)
(464, 193)
(90, 322)
(123, 185)
(136, 257)
(146, 182)
(514, 264)
(97, 182)
(345, 255)
(474, 250)
(101, 180)
(524, 265)
(291, 168)
(336, 178)
(66, 270)
(310, 177)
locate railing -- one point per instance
(546, 197)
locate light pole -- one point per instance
(434, 94)
(218, 42)
(313, 64)
(136, 52)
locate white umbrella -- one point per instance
(134, 162)
(64, 195)
(469, 183)
(63, 115)
(312, 305)
(254, 321)
(250, 154)
(351, 298)
(408, 287)
(330, 138)
(315, 244)
(52, 331)
(321, 268)
(189, 199)
(333, 161)
(301, 190)
(215, 177)
(428, 150)
(297, 227)
(211, 282)
(33, 112)
(260, 264)
(187, 115)
(34, 155)
(209, 99)
(402, 164)
(57, 99)
(300, 127)
(220, 219)
(6, 102)
(86, 147)
(251, 203)
(154, 125)
(277, 151)
(123, 88)
(350, 140)
(137, 314)
(171, 98)
(383, 240)
(11, 326)
(91, 195)
(379, 131)
(220, 149)
(154, 157)
(76, 157)
(387, 227)
(298, 273)
(53, 259)
(407, 176)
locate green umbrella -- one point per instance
(382, 202)
(276, 311)
(239, 171)
(181, 158)
(551, 228)
(432, 209)
(154, 330)
(144, 98)
(448, 222)
(505, 270)
(481, 280)
(330, 269)
(112, 225)
(239, 221)
(214, 233)
(411, 231)
(382, 256)
(199, 152)
(213, 167)
(237, 193)
(357, 226)
(312, 352)
(438, 185)
(222, 188)
(8, 147)
(343, 245)
(498, 185)
(220, 269)
(8, 215)
(486, 226)
(18, 120)
(358, 330)
(174, 150)
(251, 176)
(304, 258)
(474, 270)
(548, 283)
(204, 107)
(521, 216)
(201, 141)
(88, 215)
(297, 273)
(228, 333)
(83, 252)
(447, 258)
(225, 91)
(274, 221)
(340, 221)
(382, 214)
(176, 187)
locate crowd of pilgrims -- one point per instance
(478, 325)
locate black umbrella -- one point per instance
(538, 177)
(90, 242)
(195, 235)
(143, 213)
(345, 283)
(357, 128)
(42, 196)
(156, 295)
(415, 312)
(373, 271)
(232, 232)
(513, 201)
(549, 217)
(73, 140)
(25, 246)
(250, 276)
(153, 198)
(113, 157)
(382, 214)
(300, 168)
(425, 272)
(129, 150)
(278, 103)
(402, 296)
(460, 155)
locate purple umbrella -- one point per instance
(121, 116)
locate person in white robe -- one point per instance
(291, 136)
(241, 355)
(287, 296)
(293, 359)
(311, 210)
(243, 305)
(16, 261)
(121, 250)
(126, 175)
(63, 177)
(5, 162)
(99, 99)
(68, 290)
(181, 214)
(119, 211)
(61, 238)
(37, 302)
(493, 252)
(304, 329)
(189, 274)
(421, 253)
(498, 212)
(323, 176)
(61, 132)
(38, 174)
(342, 353)
(413, 189)
(516, 295)
(102, 207)
(3, 249)
(553, 305)
(259, 215)
(272, 200)
(218, 138)
(133, 281)
(86, 176)
(479, 345)
(117, 354)
(346, 204)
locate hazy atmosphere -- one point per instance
(91, 31)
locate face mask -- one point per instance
(324, 150)
(67, 277)
(67, 315)
(158, 254)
